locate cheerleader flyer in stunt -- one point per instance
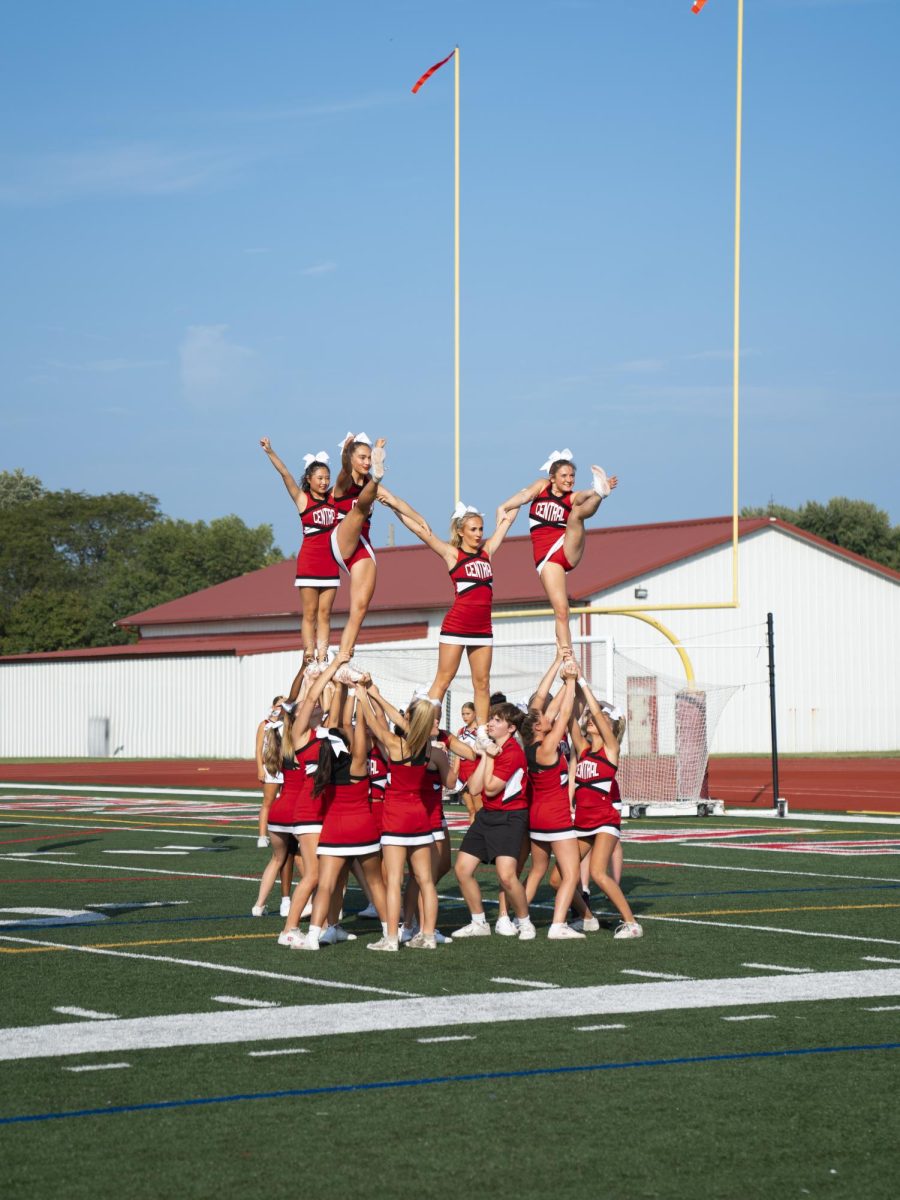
(556, 517)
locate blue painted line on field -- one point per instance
(481, 1077)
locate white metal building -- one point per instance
(205, 667)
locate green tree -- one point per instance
(16, 487)
(72, 564)
(856, 525)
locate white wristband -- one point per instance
(582, 682)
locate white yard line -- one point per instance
(596, 1028)
(224, 831)
(874, 958)
(208, 966)
(88, 1013)
(156, 870)
(236, 793)
(272, 1053)
(99, 1067)
(459, 1037)
(528, 983)
(667, 862)
(773, 967)
(152, 853)
(241, 1002)
(752, 1017)
(841, 937)
(652, 974)
(884, 1008)
(441, 1013)
(839, 818)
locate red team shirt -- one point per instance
(510, 765)
(468, 623)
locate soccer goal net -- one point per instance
(669, 724)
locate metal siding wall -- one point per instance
(837, 641)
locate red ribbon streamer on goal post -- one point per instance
(437, 66)
(697, 5)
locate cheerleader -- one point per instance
(500, 825)
(597, 821)
(556, 516)
(407, 832)
(353, 496)
(467, 626)
(272, 740)
(465, 768)
(317, 573)
(297, 810)
(349, 829)
(550, 815)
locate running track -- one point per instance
(810, 784)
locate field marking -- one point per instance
(445, 1012)
(528, 983)
(752, 1017)
(167, 853)
(113, 867)
(434, 1081)
(99, 1067)
(191, 962)
(89, 1013)
(746, 912)
(841, 937)
(652, 974)
(243, 1003)
(49, 947)
(659, 862)
(773, 967)
(458, 1037)
(231, 793)
(272, 1053)
(868, 816)
(872, 958)
(203, 828)
(884, 1008)
(596, 1028)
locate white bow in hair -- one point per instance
(357, 437)
(557, 455)
(321, 457)
(522, 706)
(337, 743)
(274, 725)
(614, 714)
(465, 510)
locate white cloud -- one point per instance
(132, 169)
(214, 370)
(323, 268)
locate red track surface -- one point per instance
(809, 784)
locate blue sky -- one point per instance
(224, 219)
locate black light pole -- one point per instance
(779, 805)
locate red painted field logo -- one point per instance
(847, 849)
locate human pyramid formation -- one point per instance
(358, 784)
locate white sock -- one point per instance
(384, 928)
(478, 919)
(315, 932)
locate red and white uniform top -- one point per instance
(547, 518)
(378, 773)
(343, 505)
(468, 623)
(467, 767)
(510, 765)
(596, 791)
(550, 816)
(318, 517)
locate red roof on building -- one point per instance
(229, 644)
(413, 578)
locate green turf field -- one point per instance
(745, 1047)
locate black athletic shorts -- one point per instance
(496, 834)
